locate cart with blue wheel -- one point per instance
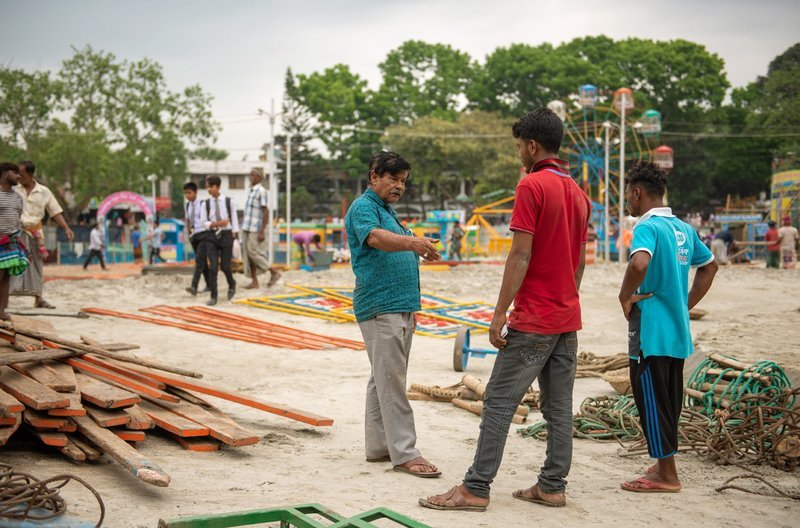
(462, 350)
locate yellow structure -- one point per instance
(498, 245)
(785, 194)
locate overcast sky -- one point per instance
(238, 50)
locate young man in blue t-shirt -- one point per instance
(656, 300)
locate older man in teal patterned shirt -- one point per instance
(385, 258)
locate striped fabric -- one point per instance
(10, 212)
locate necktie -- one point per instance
(190, 217)
(217, 214)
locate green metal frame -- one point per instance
(299, 516)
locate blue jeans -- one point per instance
(528, 356)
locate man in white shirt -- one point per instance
(788, 239)
(224, 224)
(96, 244)
(38, 200)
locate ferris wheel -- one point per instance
(597, 134)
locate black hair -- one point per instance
(772, 223)
(190, 186)
(385, 162)
(29, 167)
(213, 180)
(649, 176)
(8, 166)
(316, 238)
(542, 126)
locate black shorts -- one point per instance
(657, 385)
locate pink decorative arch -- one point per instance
(123, 197)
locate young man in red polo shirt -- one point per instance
(542, 276)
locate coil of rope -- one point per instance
(602, 419)
(23, 495)
(721, 382)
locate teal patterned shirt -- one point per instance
(386, 282)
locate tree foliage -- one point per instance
(421, 79)
(477, 147)
(99, 124)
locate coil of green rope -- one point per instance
(730, 391)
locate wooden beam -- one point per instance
(123, 370)
(11, 419)
(75, 407)
(6, 432)
(173, 423)
(7, 358)
(197, 444)
(68, 428)
(139, 465)
(130, 436)
(42, 421)
(86, 447)
(50, 438)
(242, 399)
(63, 370)
(104, 395)
(139, 420)
(30, 392)
(108, 418)
(72, 451)
(116, 378)
(39, 372)
(224, 430)
(9, 404)
(55, 341)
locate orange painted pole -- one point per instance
(182, 326)
(242, 399)
(345, 343)
(168, 311)
(120, 379)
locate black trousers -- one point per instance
(155, 253)
(222, 252)
(95, 253)
(200, 262)
(657, 385)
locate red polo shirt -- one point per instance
(549, 205)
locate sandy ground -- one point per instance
(753, 315)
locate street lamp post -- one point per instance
(153, 179)
(272, 190)
(622, 256)
(289, 199)
(607, 219)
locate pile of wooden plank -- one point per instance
(233, 326)
(87, 399)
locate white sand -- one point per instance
(753, 315)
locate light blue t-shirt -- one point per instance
(674, 247)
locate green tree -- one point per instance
(341, 101)
(421, 79)
(117, 123)
(209, 153)
(477, 147)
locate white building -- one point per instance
(233, 174)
